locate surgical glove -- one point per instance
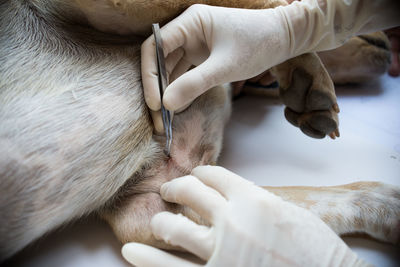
(226, 44)
(249, 227)
(229, 44)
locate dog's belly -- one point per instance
(136, 17)
(73, 130)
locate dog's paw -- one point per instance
(311, 103)
(316, 124)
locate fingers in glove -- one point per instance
(143, 255)
(192, 84)
(189, 191)
(178, 230)
(181, 67)
(172, 60)
(156, 116)
(150, 74)
(173, 39)
(175, 33)
(219, 178)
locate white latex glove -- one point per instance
(229, 44)
(226, 44)
(250, 227)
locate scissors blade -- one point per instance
(162, 82)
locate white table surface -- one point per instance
(261, 146)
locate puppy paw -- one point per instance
(316, 124)
(311, 103)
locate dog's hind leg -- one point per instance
(370, 208)
(197, 141)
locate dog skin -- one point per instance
(76, 136)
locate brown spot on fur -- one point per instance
(359, 223)
(362, 185)
(326, 218)
(333, 219)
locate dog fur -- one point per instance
(76, 136)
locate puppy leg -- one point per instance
(197, 141)
(130, 220)
(372, 208)
(361, 59)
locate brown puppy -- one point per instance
(76, 137)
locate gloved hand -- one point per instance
(228, 44)
(249, 227)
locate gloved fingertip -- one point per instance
(158, 219)
(176, 99)
(149, 41)
(153, 104)
(132, 252)
(204, 168)
(171, 191)
(159, 130)
(164, 189)
(161, 224)
(157, 122)
(170, 101)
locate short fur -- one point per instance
(76, 136)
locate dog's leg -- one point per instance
(364, 207)
(370, 208)
(308, 92)
(197, 141)
(130, 217)
(361, 59)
